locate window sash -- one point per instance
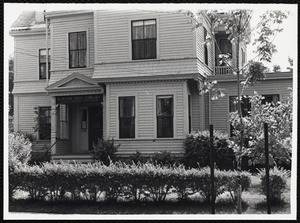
(164, 116)
(42, 63)
(77, 49)
(144, 39)
(45, 123)
(127, 117)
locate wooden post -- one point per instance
(53, 125)
(212, 172)
(267, 168)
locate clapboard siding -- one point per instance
(25, 111)
(195, 120)
(148, 147)
(220, 107)
(114, 34)
(58, 75)
(37, 86)
(146, 68)
(26, 56)
(145, 98)
(61, 26)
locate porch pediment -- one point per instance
(74, 84)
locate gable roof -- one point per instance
(25, 19)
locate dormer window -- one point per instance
(143, 39)
(77, 49)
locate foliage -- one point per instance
(276, 68)
(19, 149)
(53, 181)
(137, 157)
(197, 149)
(164, 158)
(278, 182)
(104, 150)
(291, 63)
(279, 119)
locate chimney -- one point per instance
(39, 17)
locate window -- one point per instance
(270, 98)
(205, 48)
(164, 113)
(83, 119)
(143, 39)
(45, 123)
(127, 117)
(245, 104)
(42, 63)
(225, 46)
(77, 49)
(243, 57)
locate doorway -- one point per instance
(95, 125)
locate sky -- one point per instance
(286, 41)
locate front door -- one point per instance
(95, 124)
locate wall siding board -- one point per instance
(26, 113)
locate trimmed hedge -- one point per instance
(53, 181)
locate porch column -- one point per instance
(201, 107)
(53, 125)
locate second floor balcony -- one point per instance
(223, 70)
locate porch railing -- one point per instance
(223, 70)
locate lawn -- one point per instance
(253, 203)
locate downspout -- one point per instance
(47, 51)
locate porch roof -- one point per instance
(75, 84)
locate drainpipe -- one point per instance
(47, 58)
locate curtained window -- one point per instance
(164, 114)
(42, 63)
(45, 123)
(77, 49)
(126, 117)
(143, 39)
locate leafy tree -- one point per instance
(276, 68)
(291, 62)
(279, 118)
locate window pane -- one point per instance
(150, 31)
(137, 32)
(165, 126)
(45, 123)
(164, 105)
(73, 41)
(138, 49)
(150, 49)
(43, 71)
(82, 40)
(127, 127)
(73, 58)
(82, 58)
(127, 107)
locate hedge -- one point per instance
(53, 181)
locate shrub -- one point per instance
(278, 182)
(105, 150)
(197, 150)
(137, 157)
(19, 149)
(163, 158)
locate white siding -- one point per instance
(27, 56)
(25, 110)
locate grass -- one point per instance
(253, 203)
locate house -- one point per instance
(135, 76)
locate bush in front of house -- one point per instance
(53, 181)
(278, 182)
(197, 150)
(104, 150)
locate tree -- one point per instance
(279, 118)
(236, 25)
(11, 97)
(276, 68)
(291, 62)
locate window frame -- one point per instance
(171, 116)
(264, 101)
(144, 39)
(49, 123)
(121, 136)
(205, 47)
(49, 64)
(78, 50)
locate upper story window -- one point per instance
(164, 114)
(126, 117)
(143, 39)
(42, 63)
(269, 98)
(205, 48)
(77, 49)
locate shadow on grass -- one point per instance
(130, 207)
(279, 206)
